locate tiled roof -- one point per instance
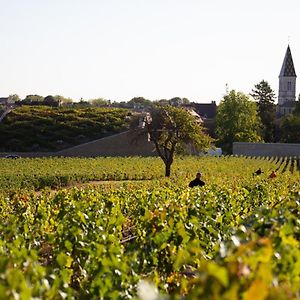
(287, 69)
(206, 110)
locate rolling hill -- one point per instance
(43, 128)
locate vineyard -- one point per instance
(44, 128)
(40, 173)
(115, 228)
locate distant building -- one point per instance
(7, 101)
(3, 100)
(287, 86)
(194, 114)
(207, 113)
(205, 110)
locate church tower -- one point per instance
(287, 80)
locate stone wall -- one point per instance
(266, 149)
(122, 144)
(28, 154)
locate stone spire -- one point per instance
(287, 68)
(287, 80)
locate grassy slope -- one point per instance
(41, 128)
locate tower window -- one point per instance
(289, 86)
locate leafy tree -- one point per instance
(13, 98)
(163, 102)
(297, 108)
(62, 100)
(265, 96)
(33, 98)
(50, 101)
(290, 126)
(185, 101)
(173, 130)
(237, 120)
(140, 101)
(81, 104)
(177, 101)
(99, 102)
(290, 129)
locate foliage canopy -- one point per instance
(236, 238)
(265, 96)
(237, 120)
(290, 126)
(175, 130)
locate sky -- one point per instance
(157, 49)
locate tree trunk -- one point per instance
(168, 169)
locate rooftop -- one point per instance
(287, 69)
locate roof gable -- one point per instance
(206, 110)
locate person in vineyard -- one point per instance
(258, 171)
(273, 174)
(197, 181)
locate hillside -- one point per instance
(42, 128)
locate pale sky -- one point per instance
(158, 49)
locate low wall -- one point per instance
(266, 149)
(27, 154)
(122, 144)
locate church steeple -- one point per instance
(287, 68)
(287, 79)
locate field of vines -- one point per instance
(115, 228)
